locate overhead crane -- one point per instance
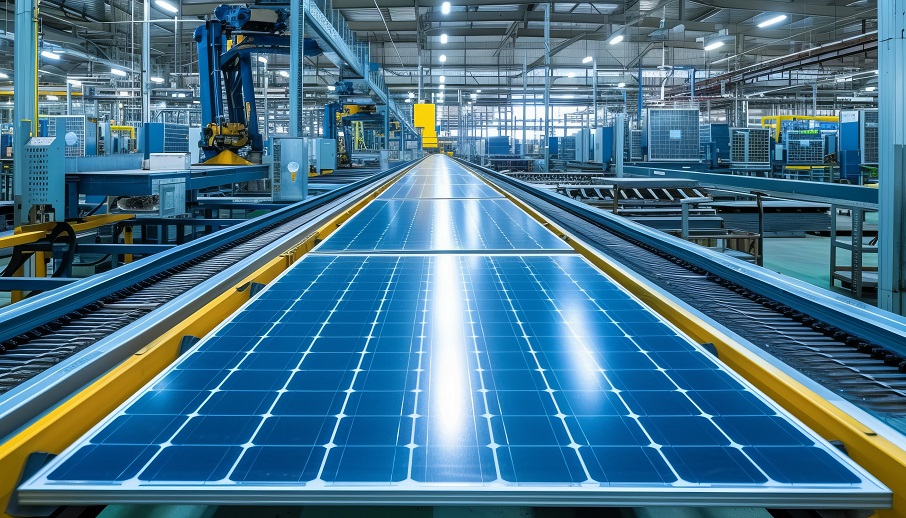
(469, 217)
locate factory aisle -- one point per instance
(444, 347)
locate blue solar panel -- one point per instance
(441, 225)
(431, 378)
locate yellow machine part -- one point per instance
(424, 116)
(231, 134)
(775, 122)
(227, 157)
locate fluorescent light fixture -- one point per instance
(442, 58)
(157, 80)
(283, 73)
(177, 95)
(616, 39)
(52, 98)
(411, 95)
(196, 102)
(444, 38)
(871, 88)
(714, 45)
(441, 86)
(474, 96)
(3, 76)
(118, 72)
(166, 6)
(331, 88)
(772, 21)
(442, 78)
(478, 91)
(445, 8)
(587, 59)
(262, 59)
(621, 85)
(50, 55)
(74, 82)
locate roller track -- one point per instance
(867, 375)
(30, 353)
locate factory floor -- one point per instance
(808, 258)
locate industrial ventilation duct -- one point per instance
(90, 10)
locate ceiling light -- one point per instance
(478, 91)
(474, 96)
(871, 88)
(157, 80)
(53, 98)
(772, 21)
(571, 75)
(177, 95)
(118, 72)
(444, 38)
(714, 45)
(442, 79)
(409, 100)
(74, 82)
(442, 58)
(445, 8)
(331, 88)
(3, 76)
(50, 55)
(441, 87)
(587, 59)
(616, 39)
(411, 95)
(283, 73)
(621, 85)
(196, 102)
(166, 6)
(262, 59)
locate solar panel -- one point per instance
(436, 378)
(439, 225)
(442, 376)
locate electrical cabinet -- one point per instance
(288, 157)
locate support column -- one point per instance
(25, 96)
(146, 62)
(892, 166)
(594, 88)
(524, 103)
(547, 87)
(296, 69)
(618, 144)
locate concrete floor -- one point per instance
(808, 258)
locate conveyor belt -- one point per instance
(863, 373)
(122, 298)
(439, 364)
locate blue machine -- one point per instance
(338, 118)
(228, 68)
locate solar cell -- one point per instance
(408, 373)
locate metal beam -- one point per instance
(892, 166)
(798, 7)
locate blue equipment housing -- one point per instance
(225, 67)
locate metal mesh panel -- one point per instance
(635, 145)
(804, 152)
(750, 146)
(74, 124)
(869, 134)
(567, 148)
(704, 139)
(673, 135)
(176, 138)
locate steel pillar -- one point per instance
(594, 88)
(146, 62)
(618, 135)
(25, 90)
(892, 160)
(547, 87)
(296, 69)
